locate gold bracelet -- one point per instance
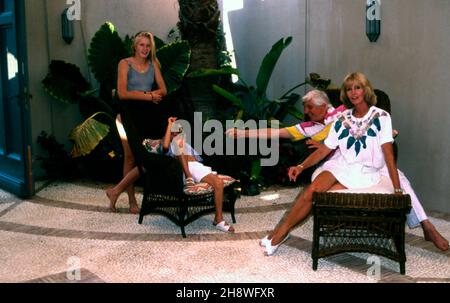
(301, 166)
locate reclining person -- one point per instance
(173, 145)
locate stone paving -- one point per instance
(66, 233)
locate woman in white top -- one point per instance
(363, 133)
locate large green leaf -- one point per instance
(128, 45)
(295, 112)
(65, 82)
(174, 59)
(227, 95)
(105, 52)
(268, 64)
(87, 136)
(158, 42)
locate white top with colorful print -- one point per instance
(360, 139)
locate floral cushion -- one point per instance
(204, 188)
(227, 180)
(198, 189)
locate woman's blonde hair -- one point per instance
(361, 79)
(149, 36)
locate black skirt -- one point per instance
(142, 120)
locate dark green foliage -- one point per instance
(65, 82)
(268, 64)
(105, 52)
(158, 42)
(174, 59)
(57, 163)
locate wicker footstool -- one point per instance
(349, 222)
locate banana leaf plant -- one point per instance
(66, 83)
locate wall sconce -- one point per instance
(373, 19)
(66, 27)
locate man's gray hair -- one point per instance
(317, 97)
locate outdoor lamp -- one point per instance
(66, 27)
(373, 19)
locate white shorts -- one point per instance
(199, 171)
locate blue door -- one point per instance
(15, 147)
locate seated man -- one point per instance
(173, 145)
(320, 113)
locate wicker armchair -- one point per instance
(163, 194)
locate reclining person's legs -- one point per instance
(202, 173)
(418, 216)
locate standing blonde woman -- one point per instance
(140, 88)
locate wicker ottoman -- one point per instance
(349, 222)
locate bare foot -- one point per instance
(112, 196)
(431, 234)
(134, 208)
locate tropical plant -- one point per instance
(66, 83)
(252, 102)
